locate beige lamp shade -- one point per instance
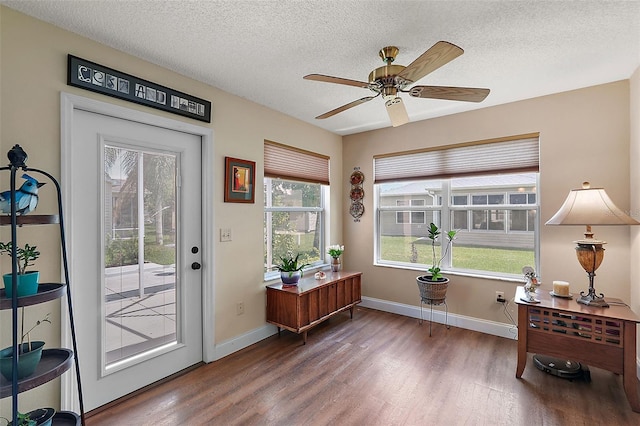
(590, 206)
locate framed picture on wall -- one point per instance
(239, 180)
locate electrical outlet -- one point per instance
(240, 308)
(225, 235)
(500, 297)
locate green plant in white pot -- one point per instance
(27, 280)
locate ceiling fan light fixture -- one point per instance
(397, 112)
(391, 101)
(390, 93)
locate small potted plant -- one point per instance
(27, 280)
(29, 353)
(335, 251)
(290, 268)
(433, 286)
(39, 417)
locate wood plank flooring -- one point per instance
(377, 369)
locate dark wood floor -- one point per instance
(377, 369)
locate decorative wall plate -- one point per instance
(357, 178)
(357, 209)
(357, 193)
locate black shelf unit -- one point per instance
(54, 362)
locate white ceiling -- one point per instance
(261, 49)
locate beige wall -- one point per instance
(34, 55)
(584, 135)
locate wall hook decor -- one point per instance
(357, 194)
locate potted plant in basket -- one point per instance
(433, 286)
(290, 268)
(27, 281)
(29, 353)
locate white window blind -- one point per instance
(507, 155)
(286, 162)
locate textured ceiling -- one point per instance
(260, 50)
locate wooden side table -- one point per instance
(599, 337)
(312, 301)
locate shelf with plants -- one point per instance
(46, 292)
(15, 206)
(53, 363)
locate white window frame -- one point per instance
(413, 202)
(322, 211)
(444, 212)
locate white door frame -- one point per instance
(68, 104)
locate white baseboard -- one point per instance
(489, 327)
(240, 342)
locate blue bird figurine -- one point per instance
(26, 197)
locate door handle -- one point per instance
(195, 266)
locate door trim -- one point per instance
(68, 104)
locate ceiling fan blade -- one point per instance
(336, 80)
(438, 55)
(467, 94)
(345, 107)
(397, 112)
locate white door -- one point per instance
(135, 253)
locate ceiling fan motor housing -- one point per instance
(383, 80)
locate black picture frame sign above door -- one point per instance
(98, 78)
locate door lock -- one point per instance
(195, 266)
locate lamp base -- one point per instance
(592, 300)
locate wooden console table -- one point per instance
(312, 301)
(598, 337)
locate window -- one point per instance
(294, 212)
(410, 217)
(524, 219)
(496, 214)
(293, 221)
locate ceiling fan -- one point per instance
(391, 80)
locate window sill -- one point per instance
(513, 279)
(274, 278)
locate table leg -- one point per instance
(523, 329)
(304, 337)
(351, 311)
(629, 378)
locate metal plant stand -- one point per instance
(55, 361)
(433, 293)
(432, 302)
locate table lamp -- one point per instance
(590, 206)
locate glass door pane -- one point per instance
(139, 253)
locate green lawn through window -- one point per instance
(502, 260)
